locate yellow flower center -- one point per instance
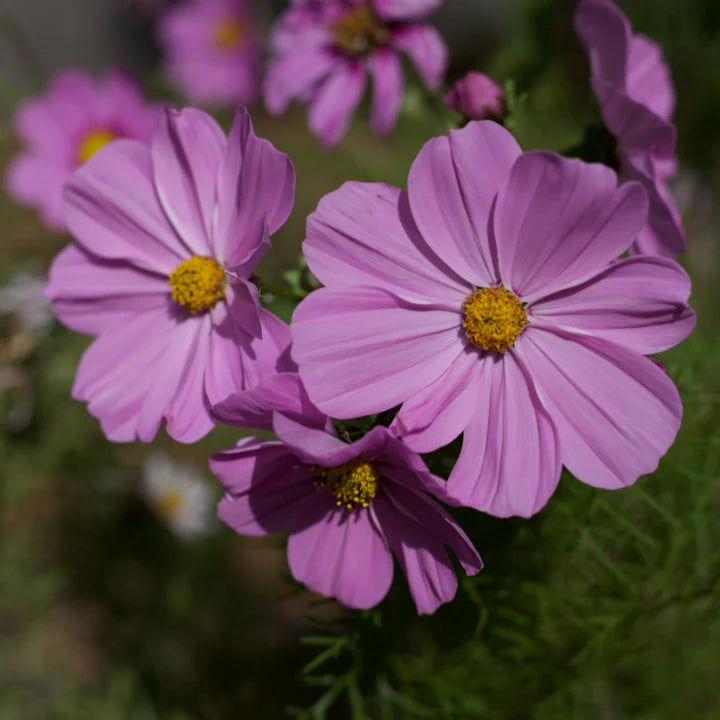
(198, 283)
(359, 30)
(494, 317)
(229, 33)
(92, 142)
(170, 502)
(353, 484)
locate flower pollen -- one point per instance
(494, 317)
(92, 142)
(229, 33)
(359, 30)
(354, 484)
(198, 283)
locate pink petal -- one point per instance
(343, 556)
(648, 79)
(640, 303)
(452, 186)
(559, 221)
(112, 209)
(363, 350)
(616, 412)
(405, 9)
(363, 234)
(37, 125)
(388, 85)
(426, 48)
(187, 149)
(243, 305)
(510, 462)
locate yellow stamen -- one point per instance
(359, 30)
(353, 484)
(229, 33)
(170, 502)
(198, 283)
(92, 142)
(494, 317)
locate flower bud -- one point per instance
(476, 96)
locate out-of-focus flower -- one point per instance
(212, 50)
(636, 96)
(17, 398)
(167, 237)
(178, 494)
(66, 127)
(323, 52)
(477, 97)
(348, 506)
(488, 299)
(24, 299)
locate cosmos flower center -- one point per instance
(170, 502)
(359, 30)
(229, 33)
(198, 283)
(354, 484)
(494, 317)
(92, 142)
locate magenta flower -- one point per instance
(477, 97)
(167, 237)
(488, 300)
(212, 50)
(68, 125)
(636, 96)
(348, 508)
(324, 50)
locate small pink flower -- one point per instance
(634, 88)
(347, 506)
(65, 127)
(212, 50)
(488, 300)
(324, 51)
(477, 97)
(167, 237)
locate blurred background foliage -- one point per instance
(605, 606)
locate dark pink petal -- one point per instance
(510, 462)
(363, 350)
(335, 102)
(640, 303)
(405, 9)
(615, 411)
(187, 149)
(255, 186)
(426, 48)
(440, 412)
(112, 210)
(648, 79)
(363, 234)
(388, 85)
(452, 186)
(343, 556)
(559, 221)
(243, 304)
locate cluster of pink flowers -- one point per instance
(493, 299)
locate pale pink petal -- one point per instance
(405, 9)
(510, 462)
(560, 221)
(387, 91)
(426, 48)
(615, 411)
(39, 182)
(452, 186)
(43, 131)
(363, 350)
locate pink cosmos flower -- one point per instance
(477, 97)
(167, 237)
(323, 51)
(68, 125)
(489, 301)
(347, 506)
(212, 50)
(634, 88)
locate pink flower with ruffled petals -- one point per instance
(167, 237)
(488, 300)
(212, 50)
(323, 51)
(477, 97)
(634, 88)
(64, 128)
(347, 506)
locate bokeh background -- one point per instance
(605, 606)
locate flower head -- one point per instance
(323, 52)
(488, 300)
(167, 237)
(477, 97)
(212, 50)
(64, 128)
(634, 88)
